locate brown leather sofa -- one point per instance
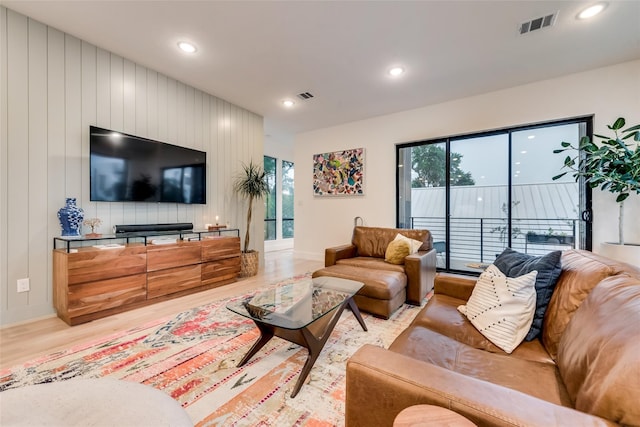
(386, 286)
(583, 371)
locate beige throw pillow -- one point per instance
(396, 251)
(414, 245)
(502, 307)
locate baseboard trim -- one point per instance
(27, 321)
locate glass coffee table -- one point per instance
(303, 313)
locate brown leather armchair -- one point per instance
(387, 286)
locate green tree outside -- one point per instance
(429, 162)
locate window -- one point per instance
(481, 193)
(270, 199)
(287, 199)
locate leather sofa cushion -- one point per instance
(454, 285)
(378, 284)
(599, 353)
(371, 264)
(581, 272)
(541, 380)
(440, 315)
(373, 241)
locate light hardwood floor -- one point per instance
(27, 341)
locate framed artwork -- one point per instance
(339, 173)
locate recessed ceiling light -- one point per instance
(187, 47)
(592, 11)
(531, 136)
(396, 71)
(288, 103)
(523, 152)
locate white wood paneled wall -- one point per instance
(53, 87)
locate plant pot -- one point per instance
(249, 262)
(629, 252)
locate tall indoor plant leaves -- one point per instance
(251, 184)
(614, 165)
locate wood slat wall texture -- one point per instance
(53, 86)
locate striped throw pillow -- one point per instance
(502, 307)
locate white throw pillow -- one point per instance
(502, 307)
(414, 245)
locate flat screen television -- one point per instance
(127, 168)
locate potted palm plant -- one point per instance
(614, 165)
(250, 184)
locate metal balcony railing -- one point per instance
(482, 239)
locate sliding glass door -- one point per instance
(479, 200)
(481, 193)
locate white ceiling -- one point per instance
(257, 53)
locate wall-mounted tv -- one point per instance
(127, 168)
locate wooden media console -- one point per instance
(92, 282)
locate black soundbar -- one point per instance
(134, 228)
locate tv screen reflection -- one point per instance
(129, 168)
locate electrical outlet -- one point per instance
(23, 285)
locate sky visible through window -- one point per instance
(533, 157)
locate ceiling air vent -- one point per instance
(305, 95)
(538, 23)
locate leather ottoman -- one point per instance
(383, 291)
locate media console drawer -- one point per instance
(219, 271)
(160, 257)
(89, 264)
(91, 297)
(172, 280)
(215, 248)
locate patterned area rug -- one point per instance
(192, 357)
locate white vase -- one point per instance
(629, 252)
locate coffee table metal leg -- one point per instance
(266, 333)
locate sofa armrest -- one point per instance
(454, 285)
(420, 269)
(331, 255)
(381, 383)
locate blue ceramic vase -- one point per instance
(70, 217)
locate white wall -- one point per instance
(321, 222)
(53, 86)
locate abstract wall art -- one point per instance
(339, 173)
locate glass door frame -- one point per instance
(584, 191)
